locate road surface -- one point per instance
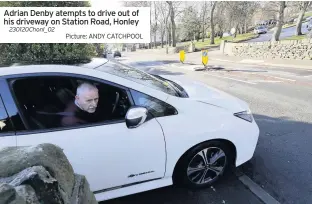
(287, 32)
(280, 99)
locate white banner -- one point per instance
(74, 25)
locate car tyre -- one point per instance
(196, 171)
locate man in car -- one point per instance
(83, 109)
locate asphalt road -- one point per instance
(228, 191)
(287, 32)
(280, 99)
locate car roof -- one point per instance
(34, 68)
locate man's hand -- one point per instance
(2, 124)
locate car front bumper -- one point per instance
(245, 148)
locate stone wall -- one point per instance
(189, 47)
(40, 174)
(287, 49)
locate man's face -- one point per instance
(88, 100)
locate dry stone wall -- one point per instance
(287, 49)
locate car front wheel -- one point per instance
(204, 165)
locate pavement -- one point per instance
(280, 98)
(286, 33)
(215, 57)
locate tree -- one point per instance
(191, 24)
(174, 12)
(220, 19)
(239, 14)
(303, 5)
(155, 26)
(203, 13)
(163, 16)
(142, 4)
(212, 31)
(173, 25)
(280, 21)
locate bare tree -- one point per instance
(173, 25)
(141, 4)
(163, 16)
(174, 11)
(212, 30)
(303, 5)
(237, 14)
(280, 21)
(156, 27)
(204, 11)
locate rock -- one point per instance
(82, 193)
(15, 159)
(46, 187)
(28, 193)
(8, 195)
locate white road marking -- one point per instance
(267, 81)
(284, 73)
(232, 79)
(283, 78)
(251, 61)
(268, 75)
(307, 76)
(223, 60)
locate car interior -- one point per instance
(42, 100)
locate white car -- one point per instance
(260, 30)
(309, 24)
(154, 132)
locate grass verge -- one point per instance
(295, 37)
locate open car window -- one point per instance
(44, 101)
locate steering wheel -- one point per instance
(116, 102)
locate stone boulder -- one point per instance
(40, 174)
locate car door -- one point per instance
(7, 132)
(108, 153)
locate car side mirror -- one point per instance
(136, 116)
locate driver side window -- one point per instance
(48, 102)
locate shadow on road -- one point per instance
(243, 70)
(281, 163)
(229, 190)
(152, 63)
(222, 69)
(164, 72)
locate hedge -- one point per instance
(59, 53)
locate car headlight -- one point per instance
(245, 115)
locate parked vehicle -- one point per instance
(150, 131)
(117, 54)
(309, 25)
(260, 30)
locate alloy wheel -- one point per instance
(206, 165)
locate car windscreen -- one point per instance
(138, 76)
